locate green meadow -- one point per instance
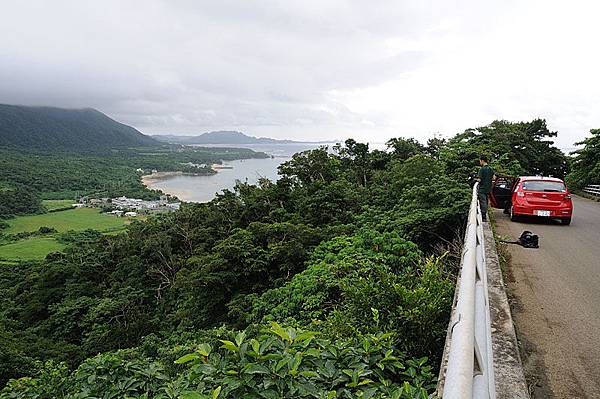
(38, 247)
(31, 248)
(72, 219)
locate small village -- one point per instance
(129, 207)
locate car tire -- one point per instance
(513, 217)
(566, 221)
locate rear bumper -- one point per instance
(554, 212)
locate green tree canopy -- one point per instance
(586, 162)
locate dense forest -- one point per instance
(335, 281)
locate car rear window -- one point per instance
(539, 185)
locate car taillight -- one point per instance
(568, 196)
(520, 194)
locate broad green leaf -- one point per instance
(254, 368)
(239, 338)
(186, 358)
(229, 345)
(255, 345)
(204, 349)
(280, 331)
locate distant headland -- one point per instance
(227, 137)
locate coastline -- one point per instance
(153, 177)
(190, 187)
(148, 179)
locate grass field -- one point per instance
(32, 248)
(57, 204)
(72, 219)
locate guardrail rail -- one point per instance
(593, 189)
(470, 371)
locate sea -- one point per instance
(192, 188)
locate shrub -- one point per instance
(279, 362)
(349, 278)
(290, 363)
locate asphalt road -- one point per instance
(555, 292)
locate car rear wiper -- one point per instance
(552, 191)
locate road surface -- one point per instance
(556, 302)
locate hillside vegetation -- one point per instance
(336, 281)
(48, 128)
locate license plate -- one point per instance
(543, 213)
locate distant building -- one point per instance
(78, 205)
(136, 205)
(117, 213)
(131, 214)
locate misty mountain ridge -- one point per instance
(224, 137)
(51, 128)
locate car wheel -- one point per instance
(566, 221)
(513, 217)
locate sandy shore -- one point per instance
(217, 166)
(148, 179)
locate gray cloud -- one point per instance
(302, 68)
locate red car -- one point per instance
(546, 197)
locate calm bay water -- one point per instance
(204, 188)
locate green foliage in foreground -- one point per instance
(279, 362)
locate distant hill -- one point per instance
(70, 129)
(221, 137)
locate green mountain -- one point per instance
(68, 129)
(221, 137)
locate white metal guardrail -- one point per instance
(593, 189)
(470, 371)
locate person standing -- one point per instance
(485, 176)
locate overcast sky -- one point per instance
(308, 69)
